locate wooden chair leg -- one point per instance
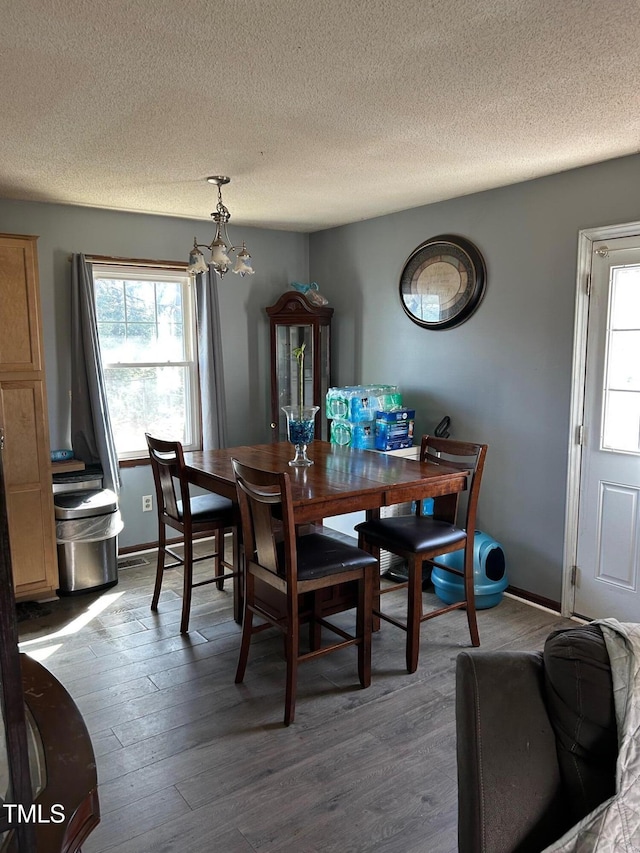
(218, 568)
(315, 628)
(414, 612)
(371, 549)
(238, 581)
(364, 623)
(292, 644)
(187, 585)
(470, 594)
(162, 541)
(375, 625)
(247, 630)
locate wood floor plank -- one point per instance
(104, 743)
(129, 705)
(110, 645)
(135, 819)
(191, 833)
(148, 651)
(109, 673)
(110, 698)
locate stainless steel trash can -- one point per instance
(87, 527)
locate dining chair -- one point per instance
(418, 539)
(281, 566)
(202, 516)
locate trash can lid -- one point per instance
(75, 477)
(77, 485)
(85, 504)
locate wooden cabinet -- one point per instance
(294, 321)
(24, 430)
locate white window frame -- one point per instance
(151, 273)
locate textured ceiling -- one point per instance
(323, 112)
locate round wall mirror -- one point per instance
(443, 282)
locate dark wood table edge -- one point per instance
(70, 766)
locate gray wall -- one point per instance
(504, 376)
(279, 257)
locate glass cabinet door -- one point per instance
(293, 322)
(289, 338)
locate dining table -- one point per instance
(341, 480)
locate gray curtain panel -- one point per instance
(214, 408)
(91, 433)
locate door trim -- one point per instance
(586, 238)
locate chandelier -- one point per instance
(220, 247)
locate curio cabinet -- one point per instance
(294, 321)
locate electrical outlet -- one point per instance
(147, 503)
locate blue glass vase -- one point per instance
(300, 430)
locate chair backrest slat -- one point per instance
(167, 463)
(266, 512)
(462, 455)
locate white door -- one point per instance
(607, 580)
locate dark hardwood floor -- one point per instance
(188, 761)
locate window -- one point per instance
(621, 415)
(146, 329)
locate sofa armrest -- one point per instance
(509, 788)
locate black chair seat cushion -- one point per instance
(319, 556)
(411, 533)
(579, 697)
(209, 507)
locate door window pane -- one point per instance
(624, 360)
(622, 424)
(625, 303)
(621, 399)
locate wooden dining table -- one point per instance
(341, 480)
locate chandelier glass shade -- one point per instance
(220, 248)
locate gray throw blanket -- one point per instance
(614, 826)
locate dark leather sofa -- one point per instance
(536, 741)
